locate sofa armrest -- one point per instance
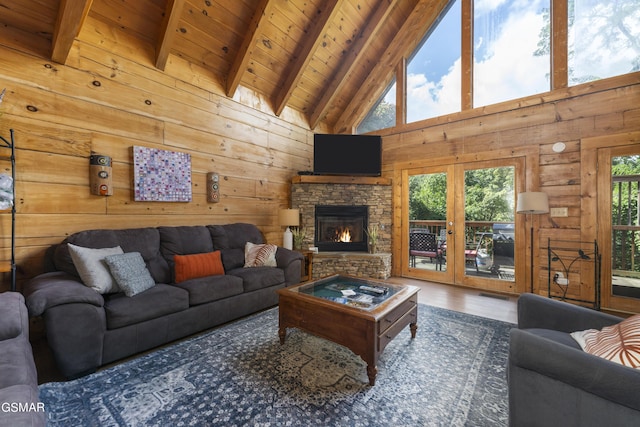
(284, 257)
(592, 374)
(52, 289)
(536, 311)
(291, 262)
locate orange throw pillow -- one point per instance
(197, 265)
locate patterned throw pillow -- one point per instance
(197, 265)
(92, 269)
(260, 255)
(130, 272)
(619, 343)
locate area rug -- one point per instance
(452, 374)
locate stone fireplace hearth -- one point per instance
(375, 194)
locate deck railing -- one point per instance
(474, 230)
(626, 226)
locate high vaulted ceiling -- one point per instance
(329, 59)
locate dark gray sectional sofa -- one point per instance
(86, 329)
(20, 405)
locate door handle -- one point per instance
(449, 231)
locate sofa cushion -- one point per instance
(184, 240)
(211, 288)
(130, 272)
(231, 239)
(155, 302)
(93, 270)
(258, 277)
(143, 240)
(619, 343)
(11, 317)
(197, 265)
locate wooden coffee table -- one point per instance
(365, 322)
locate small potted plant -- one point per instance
(299, 234)
(373, 233)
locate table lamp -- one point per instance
(288, 218)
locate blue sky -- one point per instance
(506, 33)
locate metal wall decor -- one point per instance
(100, 175)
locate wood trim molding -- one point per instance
(330, 179)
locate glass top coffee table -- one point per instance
(363, 315)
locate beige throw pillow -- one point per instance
(92, 268)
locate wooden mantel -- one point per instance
(334, 179)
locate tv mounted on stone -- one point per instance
(357, 155)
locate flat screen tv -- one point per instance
(335, 154)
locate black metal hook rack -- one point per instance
(10, 144)
(563, 255)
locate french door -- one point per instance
(468, 209)
(619, 226)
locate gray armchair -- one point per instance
(552, 382)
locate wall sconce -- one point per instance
(532, 203)
(100, 175)
(288, 218)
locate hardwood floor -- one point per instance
(465, 300)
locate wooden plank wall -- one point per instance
(527, 127)
(104, 103)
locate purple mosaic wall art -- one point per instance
(161, 175)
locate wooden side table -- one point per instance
(307, 266)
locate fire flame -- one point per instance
(343, 235)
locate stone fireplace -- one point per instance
(341, 228)
(338, 196)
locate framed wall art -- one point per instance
(161, 175)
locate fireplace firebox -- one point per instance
(341, 228)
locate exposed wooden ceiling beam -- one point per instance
(71, 16)
(303, 57)
(350, 61)
(263, 10)
(404, 43)
(172, 14)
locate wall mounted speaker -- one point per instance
(213, 187)
(100, 180)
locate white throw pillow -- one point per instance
(92, 268)
(260, 255)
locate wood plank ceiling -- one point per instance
(329, 59)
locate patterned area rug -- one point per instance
(451, 374)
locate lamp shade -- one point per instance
(532, 202)
(289, 217)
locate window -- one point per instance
(604, 39)
(507, 63)
(383, 114)
(433, 73)
(511, 52)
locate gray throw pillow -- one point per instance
(130, 272)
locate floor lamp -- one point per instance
(532, 203)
